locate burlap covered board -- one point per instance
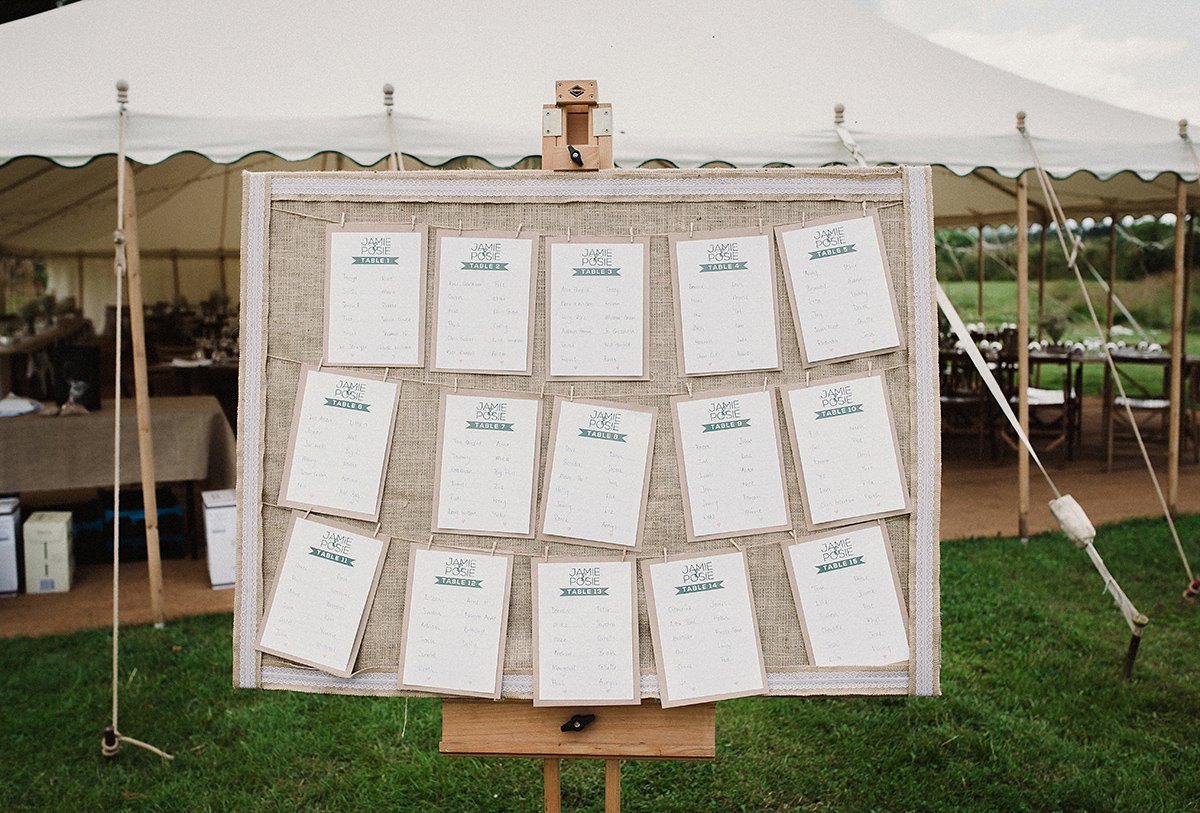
(283, 267)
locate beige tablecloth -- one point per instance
(192, 441)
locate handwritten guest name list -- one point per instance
(487, 463)
(342, 436)
(586, 635)
(725, 302)
(705, 633)
(484, 312)
(375, 298)
(455, 615)
(319, 605)
(731, 464)
(596, 306)
(846, 450)
(839, 287)
(849, 598)
(598, 477)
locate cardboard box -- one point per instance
(49, 558)
(220, 535)
(10, 527)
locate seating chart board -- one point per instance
(525, 218)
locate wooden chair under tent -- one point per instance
(1152, 413)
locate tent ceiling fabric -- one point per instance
(255, 81)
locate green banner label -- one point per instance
(584, 591)
(849, 409)
(375, 260)
(843, 563)
(451, 581)
(495, 426)
(357, 406)
(321, 553)
(597, 272)
(722, 425)
(469, 266)
(598, 435)
(833, 251)
(738, 266)
(700, 587)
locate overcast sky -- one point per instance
(1141, 55)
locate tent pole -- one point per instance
(79, 278)
(1106, 409)
(141, 392)
(1112, 277)
(1023, 352)
(1189, 259)
(979, 262)
(1041, 287)
(1177, 349)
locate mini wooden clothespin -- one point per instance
(460, 226)
(760, 231)
(864, 205)
(429, 544)
(320, 364)
(572, 398)
(386, 372)
(568, 234)
(664, 554)
(413, 226)
(378, 525)
(519, 227)
(495, 542)
(631, 234)
(736, 545)
(456, 385)
(546, 554)
(343, 219)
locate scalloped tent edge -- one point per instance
(285, 95)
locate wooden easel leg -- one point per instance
(551, 790)
(612, 786)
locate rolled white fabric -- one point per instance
(1073, 520)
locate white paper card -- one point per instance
(849, 600)
(487, 464)
(840, 294)
(704, 628)
(846, 450)
(596, 308)
(725, 291)
(484, 304)
(732, 466)
(586, 621)
(375, 297)
(342, 430)
(598, 473)
(320, 600)
(455, 615)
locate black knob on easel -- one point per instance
(578, 722)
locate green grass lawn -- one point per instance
(1034, 716)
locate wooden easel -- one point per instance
(516, 729)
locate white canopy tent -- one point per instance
(226, 85)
